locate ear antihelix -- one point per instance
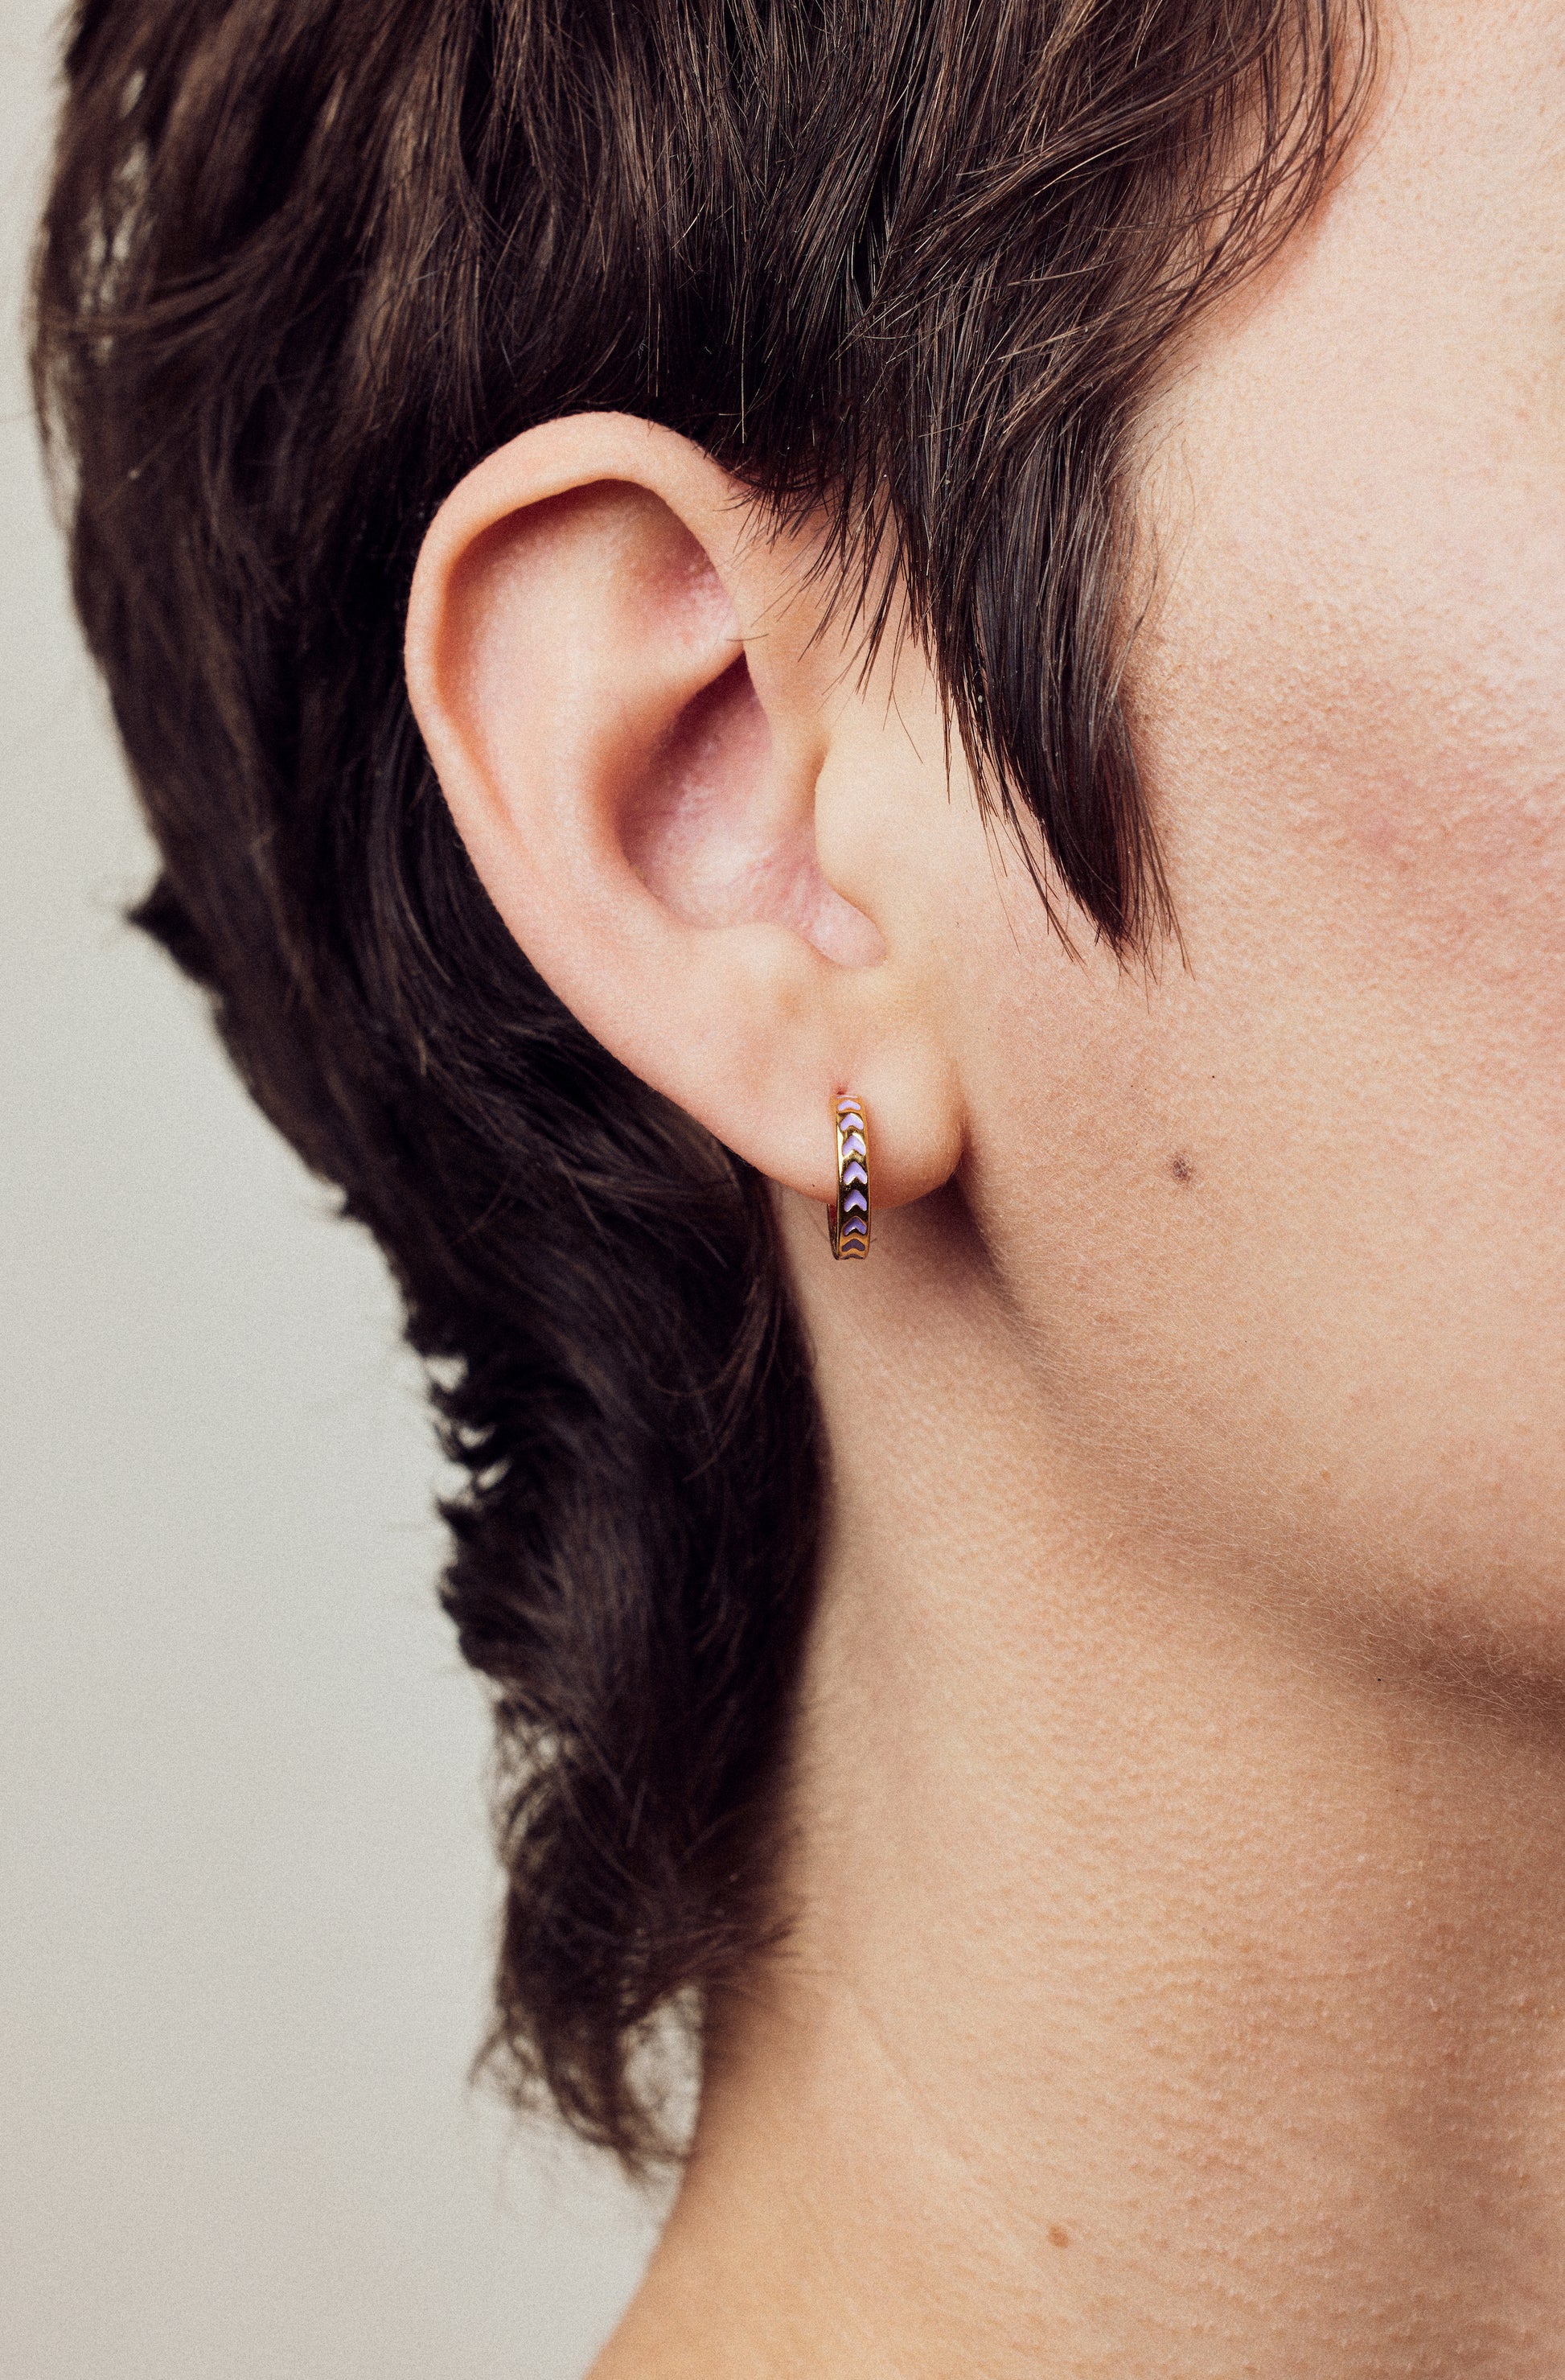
(848, 1219)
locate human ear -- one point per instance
(664, 767)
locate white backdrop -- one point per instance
(245, 1893)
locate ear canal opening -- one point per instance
(715, 835)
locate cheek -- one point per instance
(1353, 727)
(1396, 679)
(1351, 708)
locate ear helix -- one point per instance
(849, 1218)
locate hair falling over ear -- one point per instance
(905, 264)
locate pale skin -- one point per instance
(1175, 1981)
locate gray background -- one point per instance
(245, 1893)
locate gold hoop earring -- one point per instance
(849, 1218)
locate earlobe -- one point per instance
(624, 691)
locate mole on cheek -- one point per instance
(1058, 2236)
(1181, 1167)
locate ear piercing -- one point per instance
(849, 1218)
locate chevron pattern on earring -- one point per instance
(849, 1218)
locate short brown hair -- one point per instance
(906, 263)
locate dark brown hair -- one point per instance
(908, 262)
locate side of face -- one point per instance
(1288, 1220)
(1277, 1221)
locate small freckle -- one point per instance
(1181, 1167)
(1058, 2236)
(1326, 1474)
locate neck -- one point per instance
(1173, 1984)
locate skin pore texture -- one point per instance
(1174, 1983)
